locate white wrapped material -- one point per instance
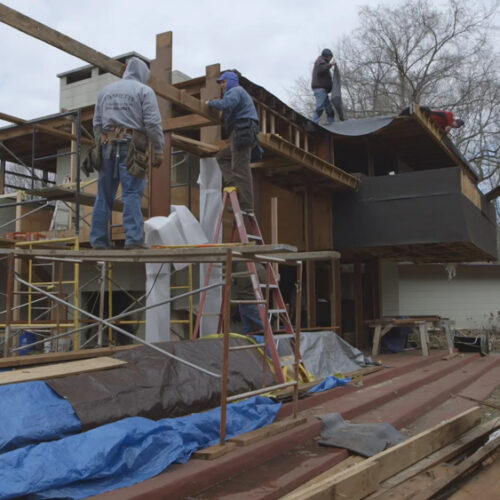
(179, 228)
(210, 181)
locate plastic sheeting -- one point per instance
(153, 386)
(329, 383)
(359, 127)
(32, 412)
(364, 439)
(179, 228)
(210, 182)
(123, 453)
(325, 353)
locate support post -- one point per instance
(10, 302)
(2, 176)
(101, 302)
(358, 304)
(335, 296)
(160, 180)
(310, 264)
(296, 347)
(225, 351)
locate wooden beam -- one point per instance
(285, 149)
(53, 357)
(185, 122)
(198, 148)
(392, 486)
(2, 176)
(269, 430)
(43, 128)
(353, 483)
(59, 370)
(160, 178)
(389, 462)
(63, 42)
(358, 305)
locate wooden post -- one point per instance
(159, 188)
(10, 302)
(211, 135)
(310, 265)
(274, 241)
(225, 352)
(296, 346)
(358, 304)
(335, 296)
(2, 176)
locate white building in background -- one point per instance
(471, 298)
(79, 87)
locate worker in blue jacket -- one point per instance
(242, 124)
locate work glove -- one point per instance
(157, 160)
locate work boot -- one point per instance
(137, 246)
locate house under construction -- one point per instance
(120, 334)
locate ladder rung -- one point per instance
(263, 285)
(273, 311)
(254, 237)
(248, 301)
(210, 314)
(250, 346)
(240, 274)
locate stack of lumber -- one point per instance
(418, 468)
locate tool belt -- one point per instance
(245, 133)
(138, 153)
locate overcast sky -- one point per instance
(271, 42)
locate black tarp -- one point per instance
(154, 386)
(412, 208)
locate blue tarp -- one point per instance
(329, 383)
(32, 412)
(122, 453)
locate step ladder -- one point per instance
(280, 312)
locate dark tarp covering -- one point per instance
(154, 386)
(362, 126)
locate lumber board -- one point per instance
(59, 370)
(215, 451)
(432, 481)
(53, 357)
(268, 430)
(63, 42)
(69, 195)
(393, 460)
(353, 483)
(173, 254)
(362, 372)
(445, 454)
(198, 148)
(402, 455)
(297, 494)
(184, 122)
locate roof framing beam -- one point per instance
(48, 35)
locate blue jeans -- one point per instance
(250, 318)
(113, 172)
(322, 103)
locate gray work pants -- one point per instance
(235, 166)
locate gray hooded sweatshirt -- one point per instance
(130, 103)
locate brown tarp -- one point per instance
(154, 386)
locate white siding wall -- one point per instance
(471, 299)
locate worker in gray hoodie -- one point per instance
(126, 118)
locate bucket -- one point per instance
(24, 339)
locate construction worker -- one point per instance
(321, 84)
(242, 124)
(445, 120)
(126, 117)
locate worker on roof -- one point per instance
(242, 124)
(126, 118)
(445, 120)
(322, 82)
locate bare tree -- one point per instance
(443, 58)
